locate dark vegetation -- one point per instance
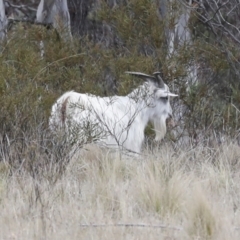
(115, 39)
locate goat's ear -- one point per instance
(172, 94)
(166, 94)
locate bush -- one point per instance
(30, 83)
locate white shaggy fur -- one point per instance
(115, 121)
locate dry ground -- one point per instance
(190, 194)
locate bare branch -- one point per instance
(132, 225)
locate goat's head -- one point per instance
(157, 97)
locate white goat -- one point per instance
(115, 121)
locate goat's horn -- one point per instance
(158, 79)
(142, 75)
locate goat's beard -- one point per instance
(160, 128)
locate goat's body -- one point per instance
(117, 121)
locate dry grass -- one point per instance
(190, 194)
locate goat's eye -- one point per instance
(164, 98)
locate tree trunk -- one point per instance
(55, 12)
(3, 21)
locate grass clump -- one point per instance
(103, 189)
(201, 219)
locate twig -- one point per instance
(59, 60)
(13, 20)
(235, 107)
(141, 225)
(22, 6)
(131, 225)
